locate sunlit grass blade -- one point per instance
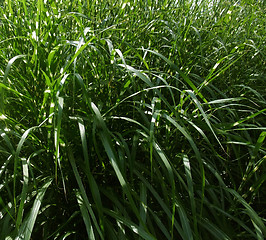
(152, 126)
(144, 77)
(248, 118)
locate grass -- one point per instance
(132, 119)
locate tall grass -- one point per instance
(132, 119)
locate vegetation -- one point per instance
(132, 119)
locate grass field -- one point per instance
(132, 119)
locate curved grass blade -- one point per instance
(83, 192)
(11, 61)
(26, 229)
(25, 171)
(155, 114)
(108, 146)
(160, 225)
(7, 141)
(16, 156)
(192, 95)
(143, 204)
(194, 147)
(186, 78)
(161, 202)
(238, 221)
(191, 193)
(136, 229)
(93, 185)
(215, 231)
(249, 172)
(188, 234)
(147, 80)
(85, 216)
(256, 220)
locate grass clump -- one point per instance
(132, 119)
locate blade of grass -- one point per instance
(93, 185)
(161, 202)
(192, 95)
(186, 78)
(24, 192)
(136, 229)
(143, 204)
(26, 229)
(83, 192)
(191, 193)
(256, 220)
(107, 143)
(10, 63)
(196, 151)
(86, 217)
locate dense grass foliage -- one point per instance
(132, 119)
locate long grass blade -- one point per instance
(28, 224)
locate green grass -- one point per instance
(132, 119)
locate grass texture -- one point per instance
(126, 119)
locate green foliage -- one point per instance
(125, 119)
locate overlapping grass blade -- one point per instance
(256, 220)
(107, 143)
(26, 229)
(138, 230)
(10, 63)
(84, 196)
(86, 217)
(191, 194)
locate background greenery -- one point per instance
(132, 119)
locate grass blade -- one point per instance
(28, 224)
